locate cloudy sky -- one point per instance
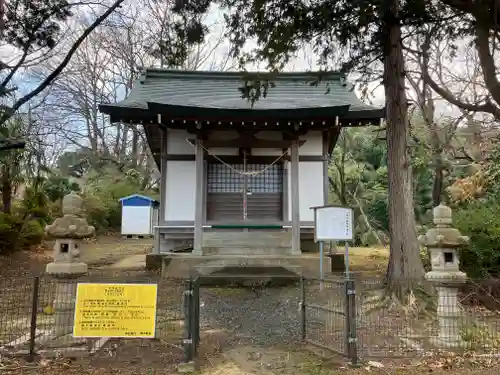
(304, 61)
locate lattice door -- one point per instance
(265, 192)
(225, 188)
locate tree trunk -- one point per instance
(135, 147)
(405, 269)
(6, 191)
(437, 186)
(124, 142)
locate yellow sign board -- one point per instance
(115, 310)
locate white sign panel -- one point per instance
(333, 223)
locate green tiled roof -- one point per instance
(221, 90)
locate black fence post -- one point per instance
(34, 312)
(350, 321)
(303, 334)
(196, 316)
(188, 312)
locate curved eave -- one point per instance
(128, 114)
(365, 117)
(366, 114)
(149, 115)
(207, 113)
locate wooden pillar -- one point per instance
(294, 177)
(199, 193)
(162, 211)
(163, 181)
(326, 182)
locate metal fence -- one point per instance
(328, 315)
(353, 317)
(28, 314)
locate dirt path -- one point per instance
(96, 252)
(107, 250)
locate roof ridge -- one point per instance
(306, 75)
(138, 196)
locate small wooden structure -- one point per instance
(139, 215)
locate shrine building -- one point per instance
(240, 178)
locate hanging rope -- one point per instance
(255, 173)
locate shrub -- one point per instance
(426, 258)
(96, 212)
(366, 239)
(481, 222)
(32, 233)
(102, 198)
(9, 233)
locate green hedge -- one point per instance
(481, 222)
(9, 233)
(16, 234)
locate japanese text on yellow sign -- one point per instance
(115, 310)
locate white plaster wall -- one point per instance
(177, 143)
(313, 145)
(310, 189)
(136, 220)
(180, 190)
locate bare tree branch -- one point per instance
(50, 78)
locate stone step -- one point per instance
(246, 265)
(247, 251)
(251, 239)
(242, 271)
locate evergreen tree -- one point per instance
(368, 33)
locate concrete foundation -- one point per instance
(184, 265)
(225, 251)
(175, 240)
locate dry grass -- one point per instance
(369, 260)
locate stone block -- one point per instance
(66, 269)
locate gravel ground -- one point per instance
(258, 316)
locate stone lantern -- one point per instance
(443, 243)
(67, 231)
